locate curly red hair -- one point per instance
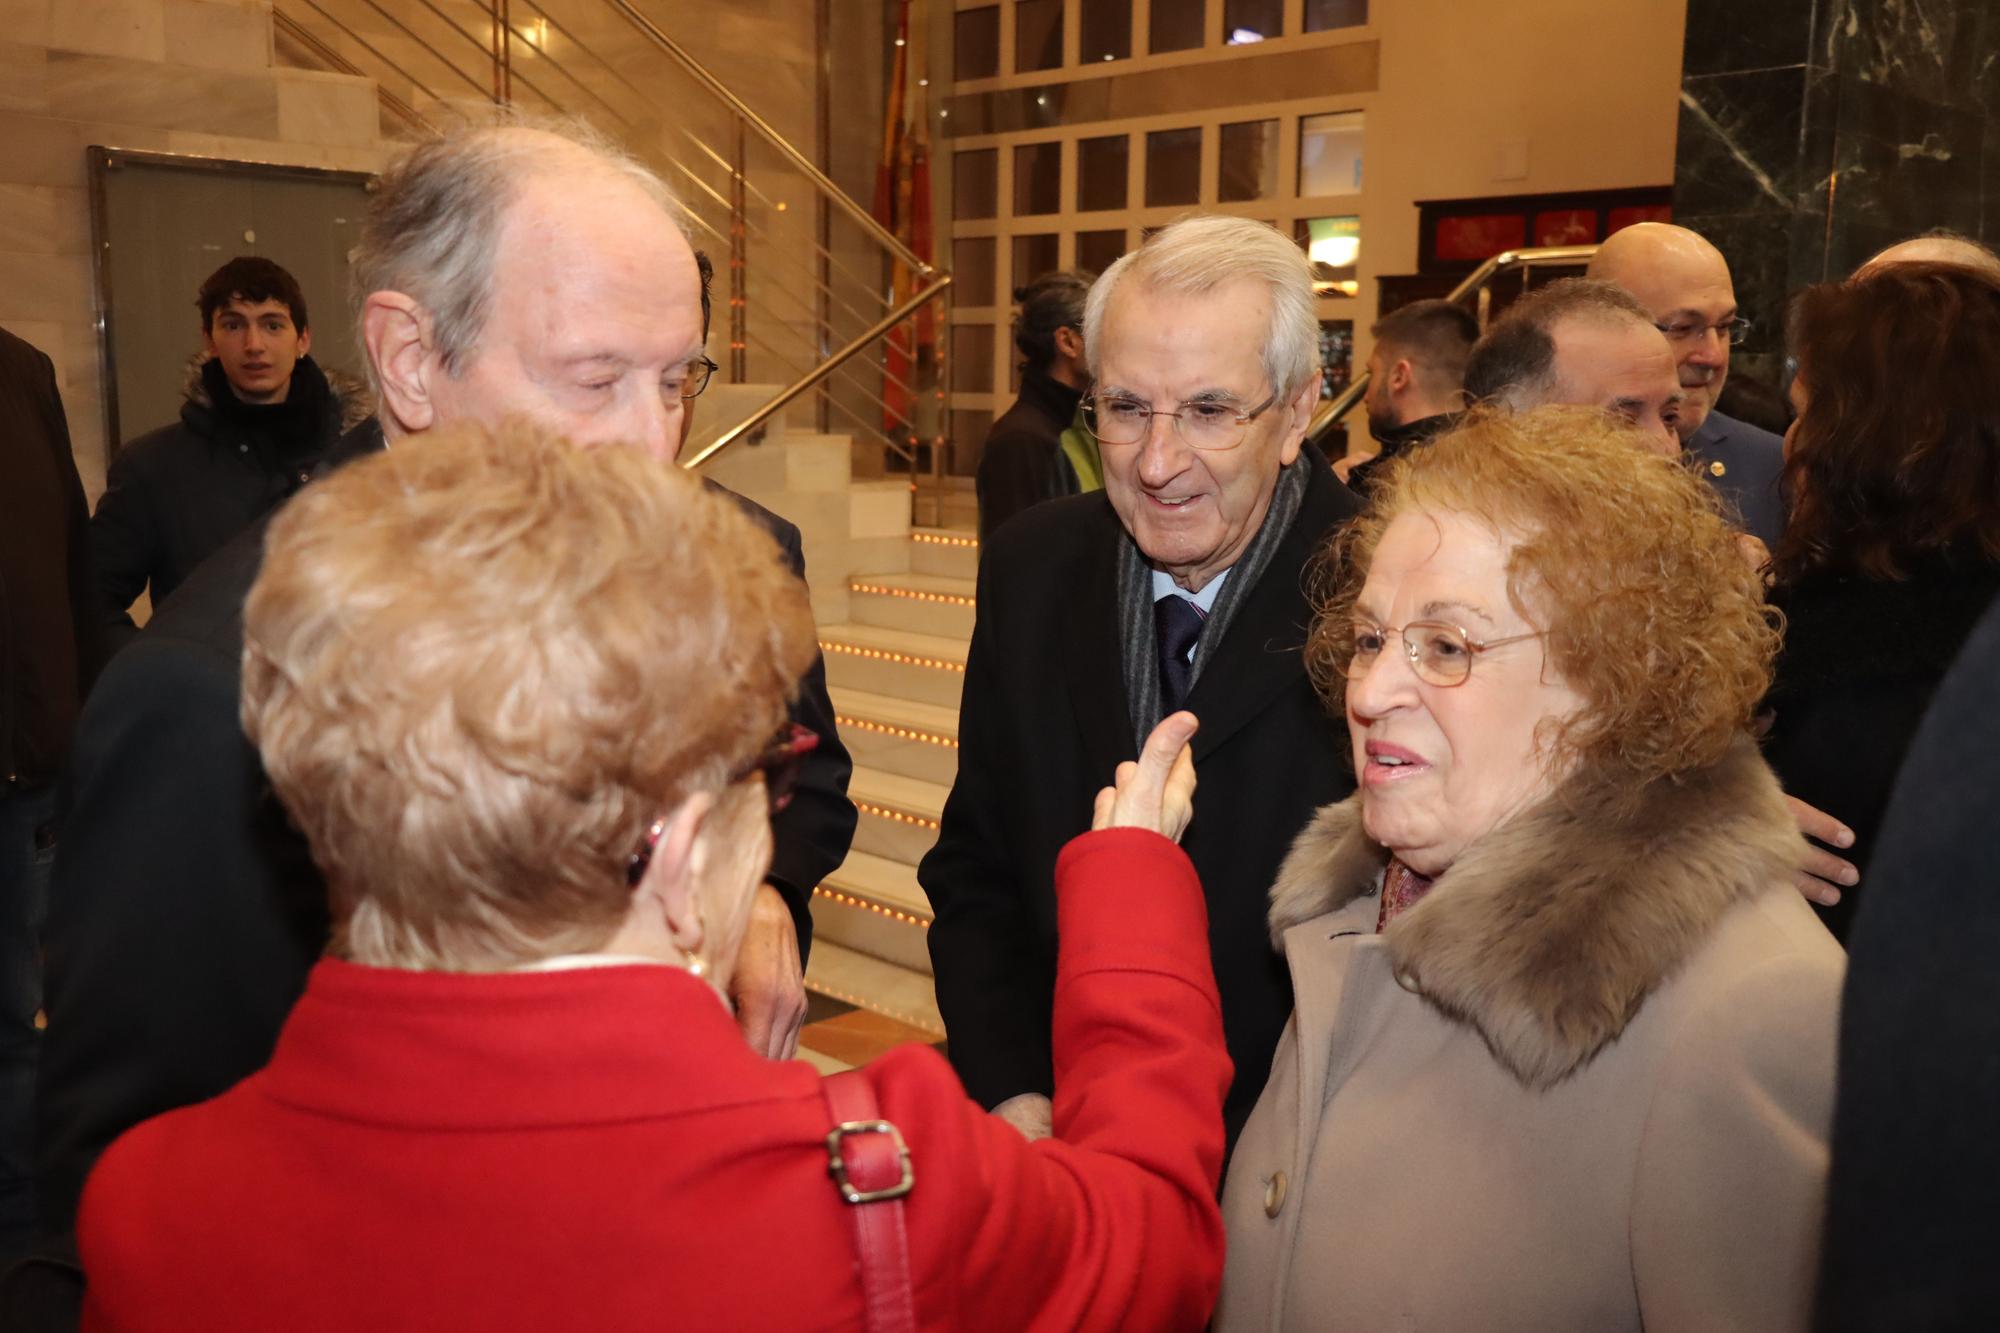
(1653, 616)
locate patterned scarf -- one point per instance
(1402, 889)
(1141, 655)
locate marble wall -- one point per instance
(1814, 132)
(175, 76)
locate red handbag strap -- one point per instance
(870, 1164)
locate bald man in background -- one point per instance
(1941, 246)
(1684, 284)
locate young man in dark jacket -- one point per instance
(258, 418)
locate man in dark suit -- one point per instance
(1684, 284)
(1181, 584)
(508, 272)
(47, 658)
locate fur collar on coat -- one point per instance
(1549, 933)
(353, 395)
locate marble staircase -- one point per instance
(894, 605)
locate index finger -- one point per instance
(1817, 823)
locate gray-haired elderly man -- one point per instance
(1177, 586)
(502, 271)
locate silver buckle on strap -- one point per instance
(836, 1165)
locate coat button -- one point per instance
(1717, 469)
(1274, 1195)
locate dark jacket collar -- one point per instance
(1050, 396)
(1550, 932)
(1394, 439)
(341, 400)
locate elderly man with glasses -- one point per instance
(185, 912)
(1684, 284)
(1180, 585)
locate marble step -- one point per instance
(874, 905)
(928, 668)
(845, 974)
(952, 552)
(899, 815)
(920, 603)
(916, 740)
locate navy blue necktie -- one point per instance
(1177, 624)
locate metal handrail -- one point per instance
(898, 432)
(1329, 413)
(840, 197)
(938, 286)
(305, 37)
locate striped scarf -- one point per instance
(1141, 652)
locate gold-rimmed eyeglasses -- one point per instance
(1440, 653)
(1205, 423)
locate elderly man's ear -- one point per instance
(1301, 408)
(395, 330)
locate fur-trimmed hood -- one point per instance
(355, 401)
(1550, 932)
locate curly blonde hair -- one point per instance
(478, 665)
(1653, 615)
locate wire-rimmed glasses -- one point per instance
(1204, 423)
(1440, 653)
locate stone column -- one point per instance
(1815, 132)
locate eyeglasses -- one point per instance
(1439, 653)
(779, 762)
(1218, 423)
(697, 377)
(1734, 330)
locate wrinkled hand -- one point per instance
(1821, 873)
(1157, 792)
(769, 984)
(1031, 1113)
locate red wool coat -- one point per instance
(598, 1149)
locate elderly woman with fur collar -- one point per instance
(1563, 1050)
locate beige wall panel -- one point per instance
(119, 91)
(24, 77)
(217, 34)
(1593, 89)
(135, 29)
(26, 21)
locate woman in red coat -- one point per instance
(519, 697)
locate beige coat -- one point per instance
(1585, 1084)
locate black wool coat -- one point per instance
(49, 648)
(1044, 725)
(1862, 658)
(1022, 462)
(1911, 1228)
(176, 495)
(185, 912)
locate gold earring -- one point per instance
(697, 965)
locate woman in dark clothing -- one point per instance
(1893, 547)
